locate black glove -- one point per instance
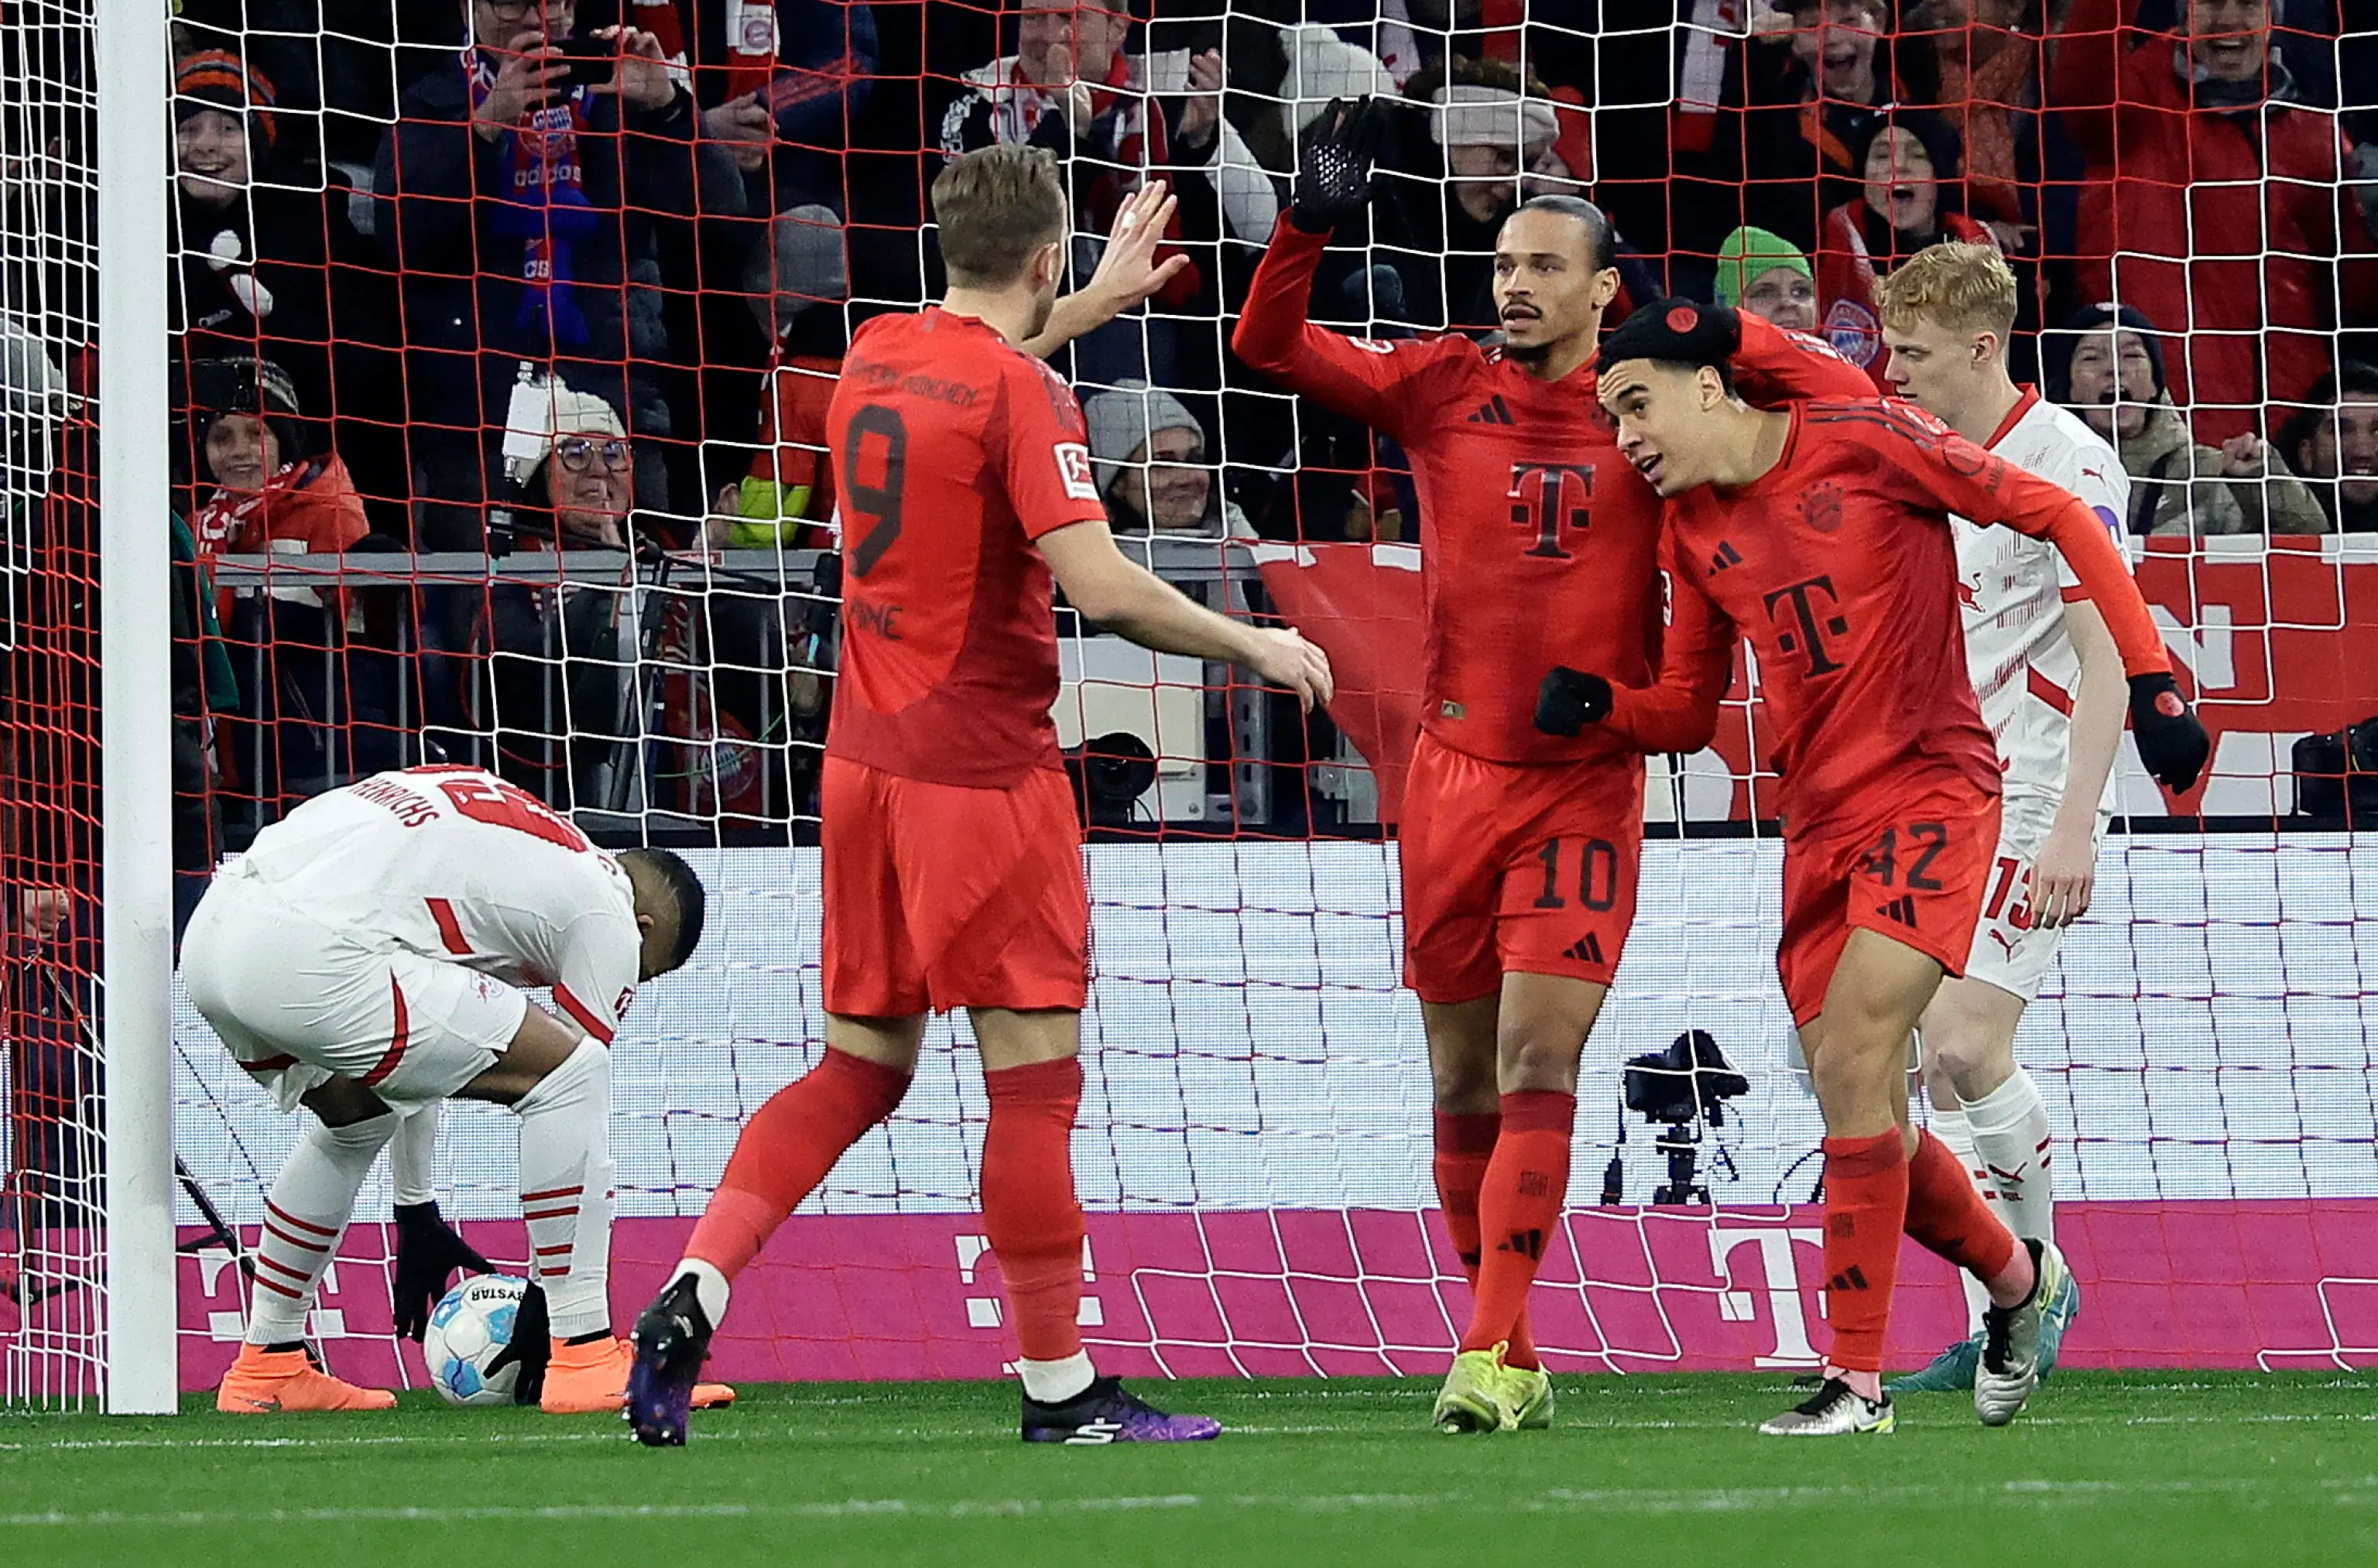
(1333, 172)
(2171, 739)
(1569, 700)
(1682, 330)
(532, 1347)
(427, 1251)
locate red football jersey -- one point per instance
(953, 451)
(1539, 543)
(1839, 565)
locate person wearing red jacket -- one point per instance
(2228, 206)
(1517, 849)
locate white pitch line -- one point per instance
(753, 1430)
(1700, 1500)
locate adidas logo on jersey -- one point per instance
(1726, 555)
(1902, 909)
(1495, 411)
(1586, 948)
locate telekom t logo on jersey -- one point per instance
(1804, 610)
(1549, 496)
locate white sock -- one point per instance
(2010, 1134)
(413, 1158)
(710, 1288)
(565, 1178)
(1951, 1127)
(1054, 1383)
(304, 1216)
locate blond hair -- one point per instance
(1967, 288)
(996, 206)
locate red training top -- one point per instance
(1528, 556)
(1839, 565)
(953, 451)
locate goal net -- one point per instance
(502, 446)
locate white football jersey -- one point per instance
(2012, 588)
(455, 864)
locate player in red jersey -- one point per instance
(952, 870)
(1519, 848)
(1822, 534)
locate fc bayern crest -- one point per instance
(1821, 506)
(1855, 332)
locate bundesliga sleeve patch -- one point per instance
(1074, 468)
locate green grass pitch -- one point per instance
(2166, 1468)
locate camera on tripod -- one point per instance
(1675, 1090)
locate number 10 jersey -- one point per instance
(953, 450)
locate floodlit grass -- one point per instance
(2165, 1468)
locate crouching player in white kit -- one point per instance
(363, 961)
(2051, 687)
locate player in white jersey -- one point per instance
(364, 960)
(2052, 690)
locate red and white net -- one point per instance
(598, 341)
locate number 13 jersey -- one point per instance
(453, 863)
(953, 450)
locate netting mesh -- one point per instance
(51, 1163)
(500, 440)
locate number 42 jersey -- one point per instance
(455, 864)
(953, 451)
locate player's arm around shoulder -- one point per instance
(1775, 364)
(1128, 599)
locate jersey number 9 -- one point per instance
(883, 502)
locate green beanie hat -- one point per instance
(1748, 252)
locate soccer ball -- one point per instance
(469, 1329)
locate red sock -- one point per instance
(1464, 1144)
(1519, 1208)
(1865, 1207)
(1949, 1217)
(1029, 1210)
(787, 1149)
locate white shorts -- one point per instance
(297, 1002)
(2010, 952)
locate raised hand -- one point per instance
(1129, 274)
(642, 78)
(524, 79)
(1201, 114)
(1333, 172)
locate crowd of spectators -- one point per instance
(503, 277)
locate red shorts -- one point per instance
(938, 896)
(1524, 869)
(1914, 872)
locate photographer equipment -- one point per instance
(2337, 774)
(1110, 774)
(1675, 1090)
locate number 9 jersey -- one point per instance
(953, 450)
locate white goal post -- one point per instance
(132, 49)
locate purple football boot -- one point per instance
(1108, 1412)
(672, 1338)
